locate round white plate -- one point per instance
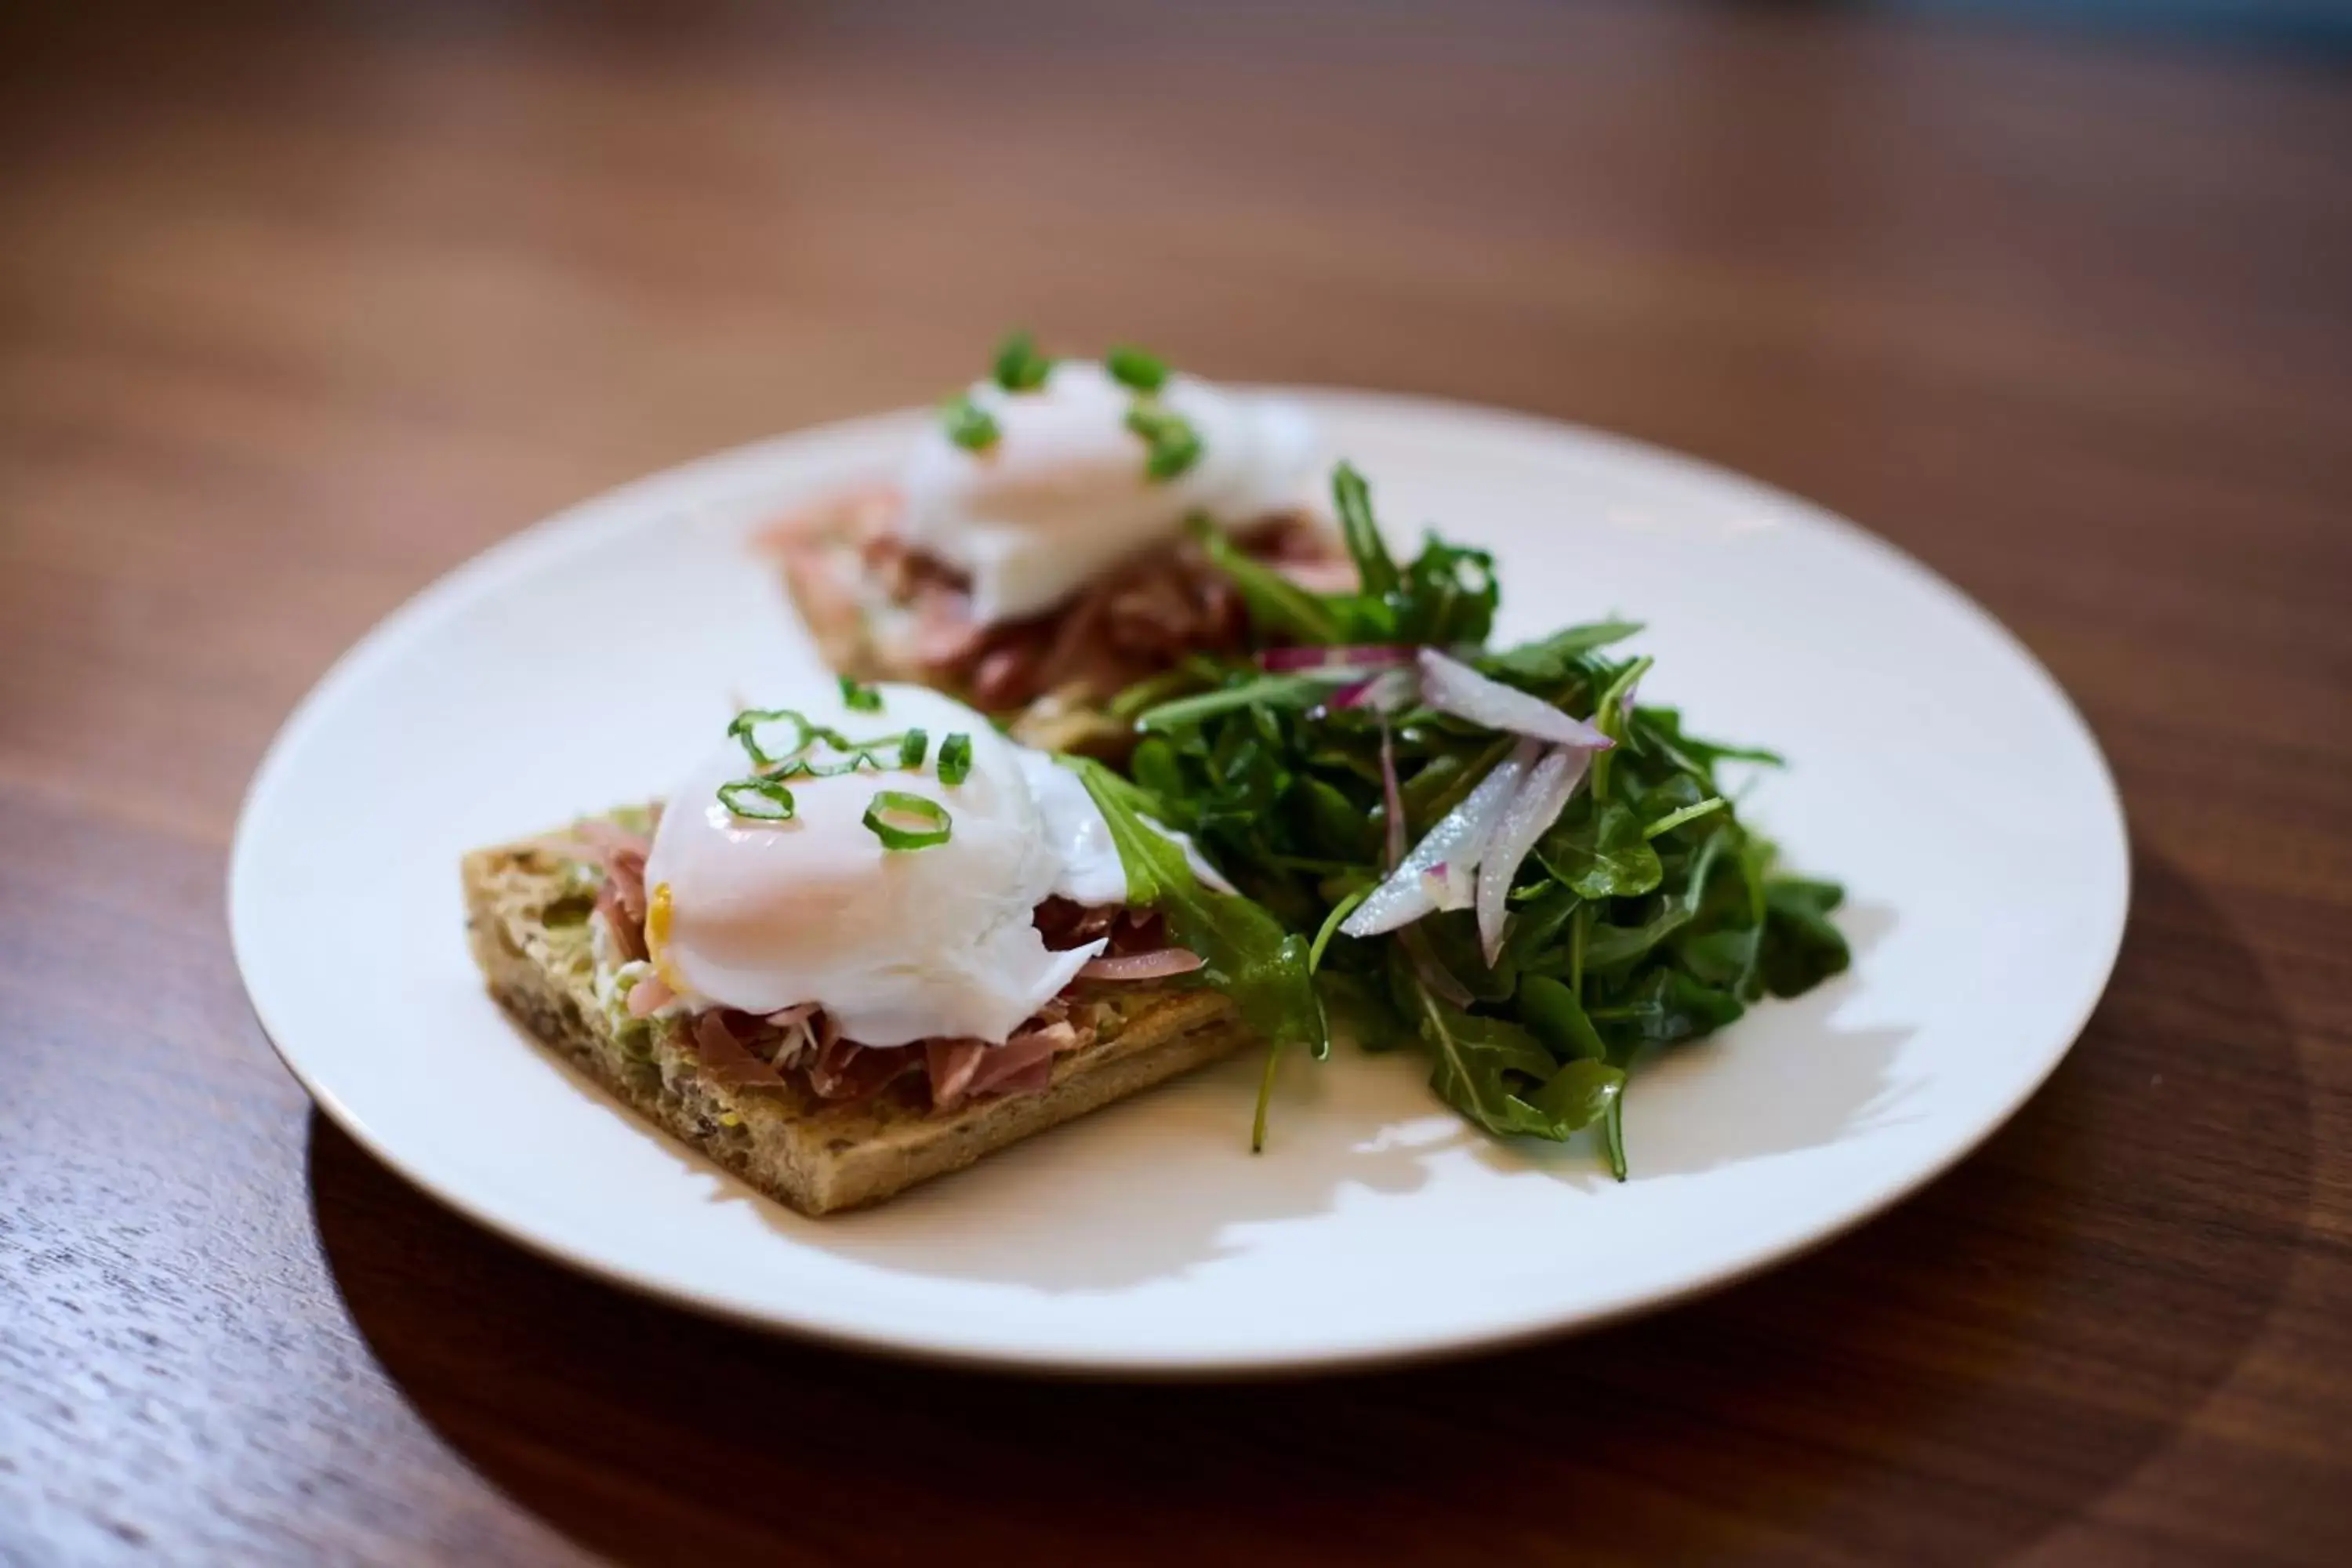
(1937, 771)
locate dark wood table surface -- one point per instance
(297, 314)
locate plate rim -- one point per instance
(615, 508)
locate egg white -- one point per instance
(1062, 493)
(897, 946)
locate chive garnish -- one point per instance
(903, 821)
(1172, 444)
(968, 425)
(1134, 367)
(955, 758)
(761, 800)
(859, 699)
(911, 747)
(745, 727)
(1019, 366)
(849, 762)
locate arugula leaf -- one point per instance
(1557, 1018)
(1608, 946)
(1721, 957)
(1578, 1095)
(1606, 856)
(1541, 926)
(1249, 956)
(1447, 596)
(1547, 661)
(1659, 731)
(1353, 499)
(1275, 604)
(1287, 690)
(1800, 948)
(1668, 1005)
(1473, 1056)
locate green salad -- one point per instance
(1500, 858)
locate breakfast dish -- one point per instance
(871, 940)
(1937, 768)
(1031, 551)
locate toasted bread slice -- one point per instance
(527, 918)
(1048, 679)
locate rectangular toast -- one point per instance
(527, 922)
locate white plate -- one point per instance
(1937, 771)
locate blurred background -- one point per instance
(326, 297)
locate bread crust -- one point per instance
(526, 920)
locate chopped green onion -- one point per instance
(1134, 367)
(859, 699)
(761, 800)
(911, 747)
(903, 821)
(849, 762)
(1172, 444)
(1019, 366)
(745, 728)
(955, 758)
(1674, 819)
(968, 425)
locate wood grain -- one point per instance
(298, 312)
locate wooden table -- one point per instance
(295, 316)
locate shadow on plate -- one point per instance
(1938, 1387)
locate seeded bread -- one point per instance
(527, 918)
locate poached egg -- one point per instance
(1062, 493)
(897, 946)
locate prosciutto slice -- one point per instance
(726, 1060)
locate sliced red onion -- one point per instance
(1534, 808)
(1384, 693)
(1447, 887)
(1157, 965)
(1392, 798)
(1341, 659)
(1452, 687)
(1456, 844)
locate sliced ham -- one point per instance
(624, 874)
(1065, 925)
(966, 1069)
(628, 935)
(726, 1060)
(649, 996)
(951, 1065)
(843, 1070)
(1131, 621)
